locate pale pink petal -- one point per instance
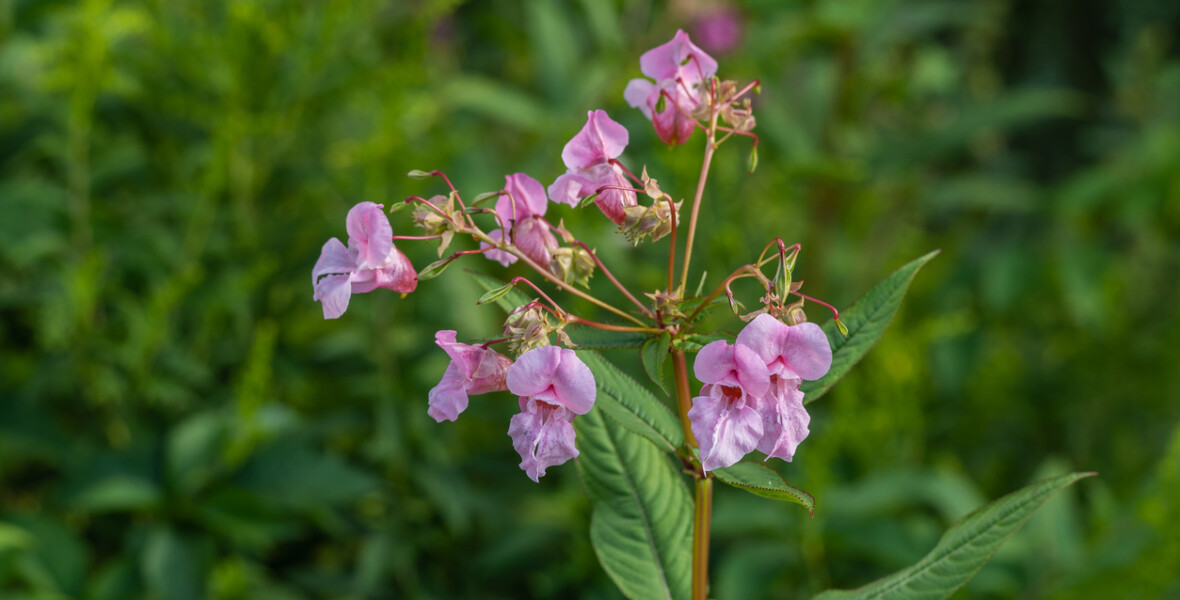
(535, 240)
(533, 371)
(500, 256)
(751, 372)
(714, 362)
(334, 260)
(808, 352)
(677, 58)
(725, 425)
(543, 437)
(638, 93)
(525, 198)
(490, 374)
(333, 292)
(766, 336)
(599, 140)
(570, 188)
(673, 126)
(573, 383)
(369, 233)
(784, 420)
(449, 397)
(611, 202)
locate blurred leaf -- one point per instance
(172, 567)
(641, 524)
(591, 338)
(118, 493)
(866, 321)
(292, 474)
(963, 549)
(632, 405)
(653, 354)
(761, 480)
(496, 100)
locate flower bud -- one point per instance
(429, 221)
(529, 328)
(573, 265)
(642, 221)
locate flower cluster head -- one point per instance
(588, 158)
(520, 211)
(369, 262)
(680, 71)
(751, 398)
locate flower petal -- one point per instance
(638, 94)
(714, 362)
(534, 239)
(726, 429)
(334, 260)
(533, 371)
(397, 273)
(784, 420)
(525, 198)
(333, 292)
(500, 256)
(543, 437)
(449, 397)
(574, 383)
(369, 233)
(599, 140)
(570, 188)
(808, 352)
(678, 58)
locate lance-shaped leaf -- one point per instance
(509, 300)
(761, 480)
(962, 550)
(589, 338)
(866, 321)
(641, 523)
(635, 408)
(653, 354)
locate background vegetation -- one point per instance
(178, 421)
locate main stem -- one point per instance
(710, 147)
(703, 506)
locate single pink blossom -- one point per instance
(554, 386)
(678, 69)
(473, 370)
(369, 262)
(521, 210)
(588, 159)
(791, 353)
(725, 418)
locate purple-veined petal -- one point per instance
(449, 398)
(369, 233)
(543, 437)
(534, 239)
(333, 292)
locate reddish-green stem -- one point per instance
(701, 521)
(710, 147)
(611, 277)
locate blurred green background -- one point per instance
(178, 421)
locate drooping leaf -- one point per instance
(510, 300)
(641, 524)
(419, 174)
(761, 480)
(653, 354)
(495, 294)
(632, 405)
(435, 268)
(963, 549)
(866, 322)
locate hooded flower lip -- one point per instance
(473, 370)
(370, 261)
(554, 386)
(520, 210)
(678, 68)
(587, 157)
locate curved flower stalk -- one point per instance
(369, 262)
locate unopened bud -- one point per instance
(572, 264)
(528, 327)
(643, 221)
(428, 220)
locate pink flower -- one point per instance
(791, 353)
(554, 385)
(678, 68)
(588, 159)
(473, 370)
(520, 210)
(725, 418)
(751, 397)
(369, 262)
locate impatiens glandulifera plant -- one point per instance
(635, 449)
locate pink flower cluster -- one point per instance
(553, 386)
(751, 398)
(679, 69)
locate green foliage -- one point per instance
(761, 480)
(631, 405)
(963, 549)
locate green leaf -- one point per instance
(511, 299)
(495, 294)
(761, 480)
(641, 523)
(866, 322)
(419, 174)
(590, 338)
(435, 268)
(486, 196)
(695, 341)
(962, 550)
(653, 354)
(752, 160)
(632, 405)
